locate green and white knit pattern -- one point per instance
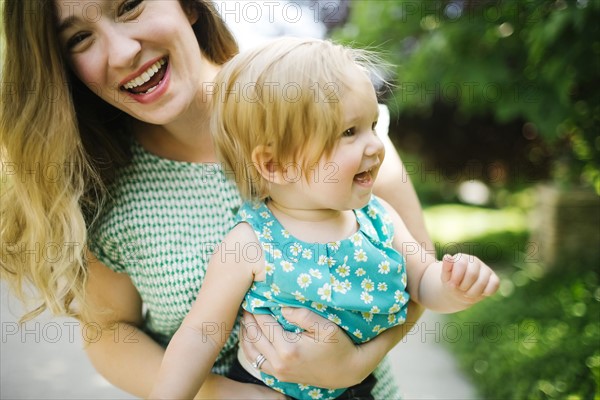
(160, 226)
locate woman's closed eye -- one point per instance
(77, 40)
(128, 7)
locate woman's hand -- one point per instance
(323, 355)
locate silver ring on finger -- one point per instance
(260, 359)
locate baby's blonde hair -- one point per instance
(285, 94)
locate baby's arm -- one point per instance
(447, 286)
(196, 344)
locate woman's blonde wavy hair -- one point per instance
(285, 94)
(60, 145)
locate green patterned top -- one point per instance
(160, 226)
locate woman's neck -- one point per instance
(187, 138)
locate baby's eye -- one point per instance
(349, 132)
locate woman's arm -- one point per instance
(127, 357)
(394, 186)
(204, 331)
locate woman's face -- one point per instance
(141, 56)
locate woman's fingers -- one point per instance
(262, 334)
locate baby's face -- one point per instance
(344, 178)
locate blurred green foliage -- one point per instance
(535, 63)
(539, 338)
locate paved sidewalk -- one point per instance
(45, 360)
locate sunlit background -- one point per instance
(494, 108)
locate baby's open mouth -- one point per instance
(364, 177)
(148, 81)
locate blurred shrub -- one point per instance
(539, 338)
(528, 70)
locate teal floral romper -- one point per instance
(359, 283)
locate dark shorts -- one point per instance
(362, 391)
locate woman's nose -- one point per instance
(122, 49)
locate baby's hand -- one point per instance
(469, 279)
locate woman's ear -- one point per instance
(267, 167)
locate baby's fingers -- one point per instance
(447, 264)
(492, 285)
(486, 285)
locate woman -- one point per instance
(116, 94)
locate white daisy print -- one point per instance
(256, 303)
(325, 292)
(391, 319)
(403, 279)
(287, 266)
(356, 239)
(244, 215)
(347, 284)
(375, 310)
(360, 272)
(338, 287)
(335, 246)
(366, 297)
(299, 296)
(322, 260)
(334, 318)
(302, 387)
(304, 280)
(399, 296)
(296, 248)
(318, 306)
(367, 316)
(275, 289)
(367, 285)
(266, 232)
(378, 329)
(270, 381)
(315, 394)
(269, 268)
(315, 273)
(394, 309)
(264, 214)
(360, 255)
(358, 334)
(343, 270)
(382, 286)
(277, 254)
(371, 212)
(268, 295)
(307, 253)
(285, 233)
(384, 267)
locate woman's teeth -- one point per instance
(145, 76)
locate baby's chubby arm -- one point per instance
(195, 346)
(446, 286)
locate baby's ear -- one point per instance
(271, 170)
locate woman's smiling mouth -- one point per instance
(147, 81)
